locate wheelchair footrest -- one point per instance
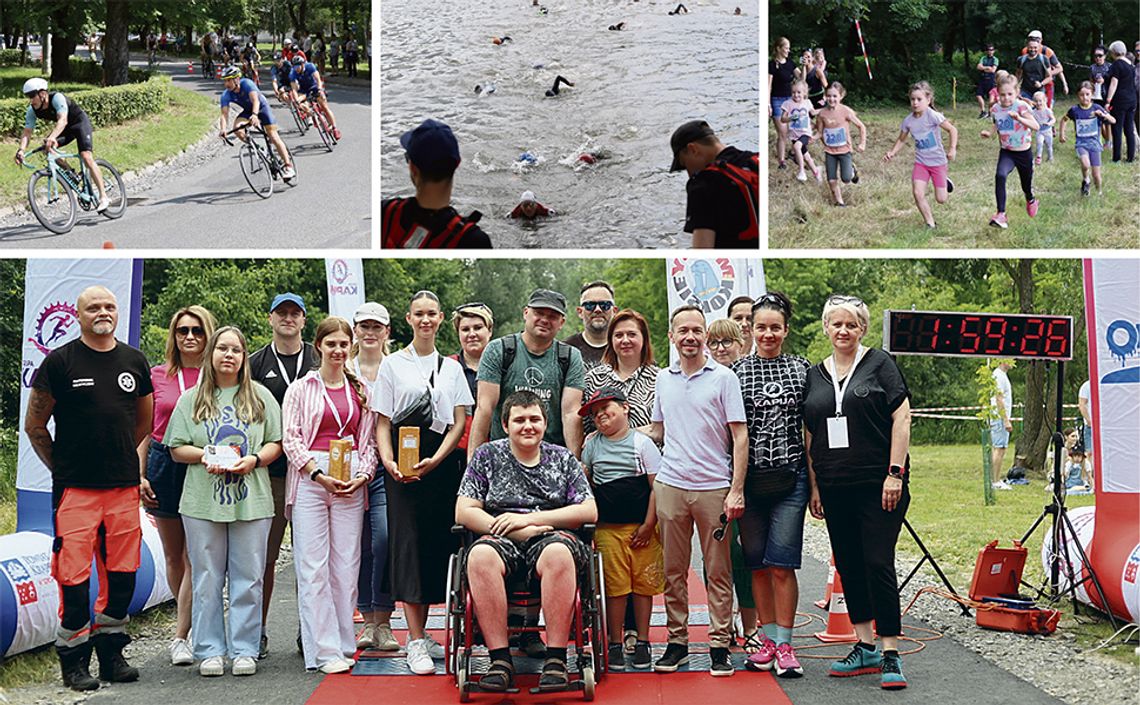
(474, 687)
(572, 685)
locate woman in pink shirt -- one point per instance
(162, 477)
(325, 405)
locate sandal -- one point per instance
(500, 677)
(752, 641)
(554, 674)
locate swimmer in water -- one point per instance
(737, 11)
(485, 90)
(680, 8)
(557, 82)
(529, 208)
(617, 27)
(500, 40)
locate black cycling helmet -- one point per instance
(297, 60)
(277, 56)
(249, 45)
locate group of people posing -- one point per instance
(804, 105)
(520, 439)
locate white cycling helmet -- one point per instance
(35, 85)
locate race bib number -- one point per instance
(927, 141)
(800, 120)
(1088, 127)
(835, 136)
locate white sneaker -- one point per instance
(287, 173)
(104, 204)
(419, 660)
(435, 650)
(801, 176)
(212, 667)
(340, 665)
(244, 666)
(367, 637)
(385, 639)
(180, 653)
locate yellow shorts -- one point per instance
(640, 570)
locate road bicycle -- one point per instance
(56, 191)
(295, 111)
(312, 113)
(261, 165)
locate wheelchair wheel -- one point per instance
(588, 682)
(464, 691)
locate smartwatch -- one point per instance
(896, 471)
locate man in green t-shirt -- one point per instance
(539, 363)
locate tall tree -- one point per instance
(116, 55)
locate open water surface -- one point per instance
(633, 88)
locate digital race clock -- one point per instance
(1022, 336)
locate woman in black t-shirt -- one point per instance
(1121, 98)
(857, 432)
(781, 74)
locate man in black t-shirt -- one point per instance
(99, 392)
(596, 308)
(723, 208)
(427, 220)
(277, 365)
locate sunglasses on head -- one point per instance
(595, 305)
(841, 299)
(474, 304)
(718, 533)
(196, 331)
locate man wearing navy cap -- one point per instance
(276, 366)
(723, 208)
(427, 220)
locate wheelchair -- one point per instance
(587, 626)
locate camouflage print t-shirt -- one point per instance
(496, 478)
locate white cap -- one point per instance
(1035, 34)
(371, 311)
(527, 196)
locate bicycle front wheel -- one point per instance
(52, 202)
(116, 191)
(255, 169)
(301, 125)
(323, 129)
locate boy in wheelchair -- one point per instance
(524, 497)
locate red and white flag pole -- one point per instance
(864, 48)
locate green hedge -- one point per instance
(88, 71)
(105, 106)
(10, 57)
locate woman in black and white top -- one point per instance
(627, 364)
(419, 533)
(777, 488)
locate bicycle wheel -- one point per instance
(302, 126)
(323, 129)
(52, 202)
(116, 191)
(255, 169)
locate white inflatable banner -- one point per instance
(712, 284)
(345, 286)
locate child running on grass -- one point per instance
(1088, 117)
(622, 464)
(1015, 124)
(832, 122)
(1045, 118)
(931, 161)
(797, 115)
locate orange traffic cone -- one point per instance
(825, 603)
(189, 67)
(108, 245)
(839, 627)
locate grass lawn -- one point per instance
(130, 145)
(881, 210)
(12, 81)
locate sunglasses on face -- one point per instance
(1098, 56)
(718, 533)
(595, 305)
(196, 331)
(841, 299)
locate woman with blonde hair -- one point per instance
(162, 476)
(227, 430)
(725, 341)
(781, 73)
(328, 404)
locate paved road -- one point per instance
(211, 207)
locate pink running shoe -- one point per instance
(999, 221)
(765, 658)
(1031, 207)
(787, 665)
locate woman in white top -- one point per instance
(420, 500)
(371, 327)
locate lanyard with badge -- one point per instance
(837, 425)
(336, 414)
(281, 365)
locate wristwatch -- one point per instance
(896, 471)
(313, 474)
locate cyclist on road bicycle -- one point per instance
(250, 58)
(281, 73)
(254, 111)
(307, 81)
(71, 123)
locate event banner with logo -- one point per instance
(50, 292)
(712, 283)
(345, 286)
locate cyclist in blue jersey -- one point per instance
(282, 78)
(307, 82)
(254, 110)
(71, 123)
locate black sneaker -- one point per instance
(949, 186)
(1084, 188)
(617, 657)
(263, 648)
(720, 664)
(982, 114)
(531, 644)
(676, 655)
(854, 174)
(642, 658)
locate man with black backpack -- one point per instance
(723, 209)
(536, 361)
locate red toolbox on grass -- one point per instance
(997, 576)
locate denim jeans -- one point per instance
(370, 595)
(217, 550)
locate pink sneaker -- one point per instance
(999, 221)
(787, 665)
(1031, 207)
(765, 658)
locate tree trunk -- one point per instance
(1039, 416)
(62, 47)
(953, 28)
(116, 54)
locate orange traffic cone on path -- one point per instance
(189, 67)
(825, 603)
(108, 245)
(839, 627)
